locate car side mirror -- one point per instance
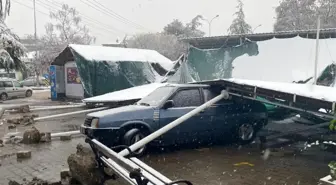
(168, 104)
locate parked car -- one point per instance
(31, 81)
(240, 118)
(12, 88)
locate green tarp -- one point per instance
(210, 64)
(100, 77)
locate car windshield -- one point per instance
(157, 96)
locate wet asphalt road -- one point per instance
(216, 165)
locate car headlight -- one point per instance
(95, 123)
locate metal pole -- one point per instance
(65, 133)
(69, 113)
(317, 49)
(224, 94)
(209, 22)
(35, 34)
(57, 107)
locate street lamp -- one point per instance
(256, 28)
(209, 22)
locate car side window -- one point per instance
(8, 84)
(17, 84)
(2, 84)
(187, 98)
(209, 94)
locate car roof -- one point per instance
(187, 85)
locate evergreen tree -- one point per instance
(239, 25)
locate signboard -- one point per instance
(72, 76)
(52, 75)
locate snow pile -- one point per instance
(116, 54)
(307, 90)
(285, 60)
(133, 93)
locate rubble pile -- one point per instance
(23, 109)
(24, 120)
(83, 167)
(35, 181)
(12, 139)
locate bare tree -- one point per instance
(68, 26)
(239, 25)
(65, 28)
(167, 45)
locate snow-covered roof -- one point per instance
(117, 54)
(232, 40)
(307, 90)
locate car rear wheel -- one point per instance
(3, 96)
(246, 133)
(132, 136)
(29, 93)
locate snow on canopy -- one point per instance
(307, 90)
(285, 60)
(118, 54)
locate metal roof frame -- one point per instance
(233, 40)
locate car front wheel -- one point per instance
(132, 136)
(246, 133)
(29, 93)
(3, 96)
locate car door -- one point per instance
(9, 88)
(223, 115)
(185, 100)
(19, 90)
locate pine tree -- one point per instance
(239, 25)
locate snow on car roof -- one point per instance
(117, 54)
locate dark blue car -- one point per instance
(234, 117)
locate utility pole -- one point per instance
(317, 49)
(36, 50)
(35, 34)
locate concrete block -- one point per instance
(13, 183)
(65, 173)
(65, 138)
(23, 154)
(12, 126)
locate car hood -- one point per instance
(131, 112)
